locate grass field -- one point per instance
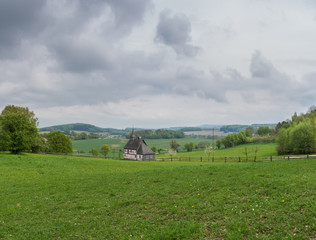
(266, 149)
(62, 197)
(85, 146)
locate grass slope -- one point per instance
(60, 197)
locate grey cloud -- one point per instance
(76, 56)
(266, 76)
(260, 67)
(19, 19)
(127, 12)
(41, 21)
(308, 88)
(117, 16)
(79, 48)
(174, 31)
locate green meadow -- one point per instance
(64, 197)
(260, 150)
(84, 146)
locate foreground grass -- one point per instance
(59, 197)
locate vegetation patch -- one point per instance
(63, 197)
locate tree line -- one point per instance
(19, 133)
(298, 135)
(239, 128)
(158, 134)
(264, 134)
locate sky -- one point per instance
(158, 63)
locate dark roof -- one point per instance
(144, 149)
(139, 145)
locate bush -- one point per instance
(58, 143)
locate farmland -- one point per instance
(260, 150)
(64, 197)
(84, 146)
(239, 151)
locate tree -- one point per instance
(105, 149)
(189, 146)
(94, 152)
(172, 152)
(18, 129)
(299, 135)
(229, 141)
(174, 145)
(263, 131)
(283, 141)
(242, 138)
(58, 143)
(249, 131)
(209, 150)
(302, 139)
(39, 145)
(218, 144)
(154, 149)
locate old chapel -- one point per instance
(137, 149)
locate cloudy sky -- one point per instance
(158, 63)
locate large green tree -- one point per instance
(58, 143)
(18, 129)
(298, 136)
(302, 138)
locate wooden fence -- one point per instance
(234, 159)
(206, 159)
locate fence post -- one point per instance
(288, 158)
(189, 158)
(271, 158)
(307, 156)
(255, 159)
(213, 159)
(201, 159)
(238, 159)
(225, 159)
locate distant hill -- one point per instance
(74, 127)
(84, 127)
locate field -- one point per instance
(263, 150)
(63, 197)
(84, 146)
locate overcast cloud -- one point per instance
(150, 63)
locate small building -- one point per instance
(137, 149)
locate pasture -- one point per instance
(64, 197)
(259, 150)
(84, 146)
